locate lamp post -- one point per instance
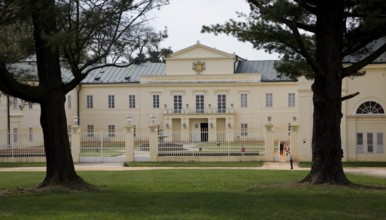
(152, 118)
(75, 119)
(128, 117)
(8, 123)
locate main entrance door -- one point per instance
(204, 132)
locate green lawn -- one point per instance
(196, 164)
(351, 164)
(193, 194)
(22, 164)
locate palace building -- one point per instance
(202, 94)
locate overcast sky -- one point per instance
(184, 19)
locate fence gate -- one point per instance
(141, 146)
(102, 148)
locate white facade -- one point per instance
(201, 88)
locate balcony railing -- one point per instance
(199, 111)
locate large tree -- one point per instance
(63, 33)
(314, 37)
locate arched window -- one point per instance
(370, 107)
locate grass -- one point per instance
(193, 194)
(351, 164)
(196, 164)
(22, 164)
(157, 164)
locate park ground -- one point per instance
(137, 191)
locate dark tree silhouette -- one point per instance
(314, 37)
(61, 33)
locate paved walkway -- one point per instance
(380, 172)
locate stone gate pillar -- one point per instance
(294, 137)
(153, 143)
(75, 143)
(269, 142)
(129, 143)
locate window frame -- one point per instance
(131, 101)
(200, 103)
(243, 100)
(111, 101)
(221, 103)
(89, 101)
(291, 99)
(268, 100)
(370, 108)
(177, 103)
(111, 130)
(156, 101)
(90, 131)
(244, 129)
(69, 102)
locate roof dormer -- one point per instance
(200, 59)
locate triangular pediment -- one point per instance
(202, 52)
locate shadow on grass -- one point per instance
(269, 201)
(195, 194)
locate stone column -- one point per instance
(75, 143)
(269, 142)
(294, 137)
(185, 129)
(212, 130)
(129, 143)
(153, 143)
(229, 129)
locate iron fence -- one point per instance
(102, 147)
(222, 144)
(22, 144)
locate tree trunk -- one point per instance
(60, 167)
(327, 89)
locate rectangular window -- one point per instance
(15, 135)
(90, 130)
(177, 103)
(30, 134)
(243, 100)
(291, 99)
(360, 147)
(268, 100)
(200, 103)
(111, 101)
(90, 101)
(380, 143)
(68, 102)
(111, 130)
(244, 130)
(131, 101)
(221, 103)
(155, 101)
(30, 105)
(14, 103)
(370, 143)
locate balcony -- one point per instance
(170, 111)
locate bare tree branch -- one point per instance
(344, 98)
(359, 65)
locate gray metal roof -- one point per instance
(132, 73)
(30, 68)
(128, 74)
(371, 47)
(265, 67)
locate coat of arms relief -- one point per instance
(198, 66)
